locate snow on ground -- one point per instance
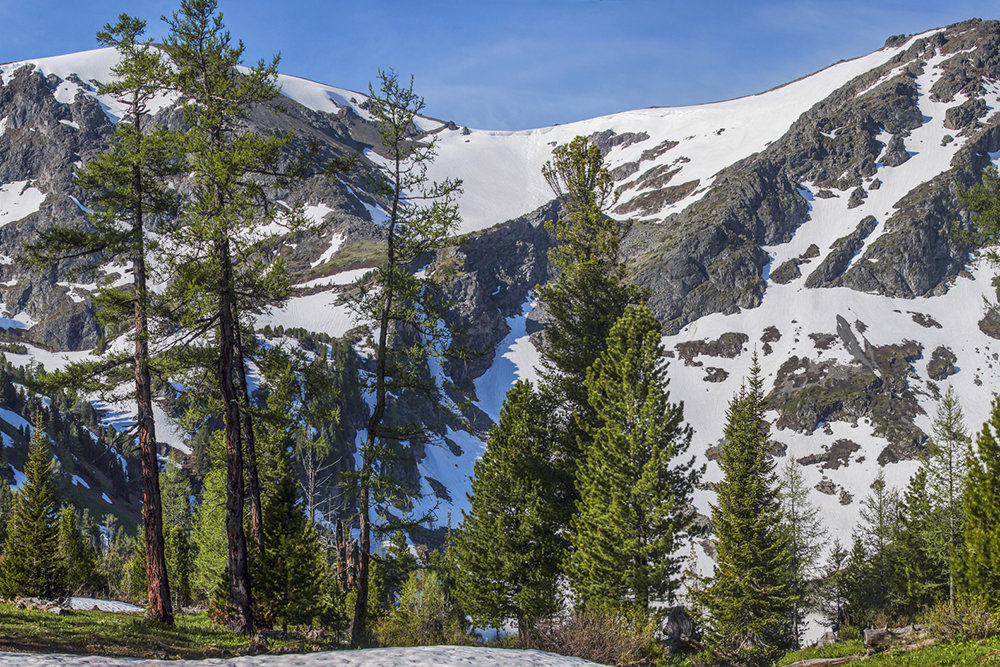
(421, 656)
(319, 312)
(342, 278)
(112, 606)
(501, 171)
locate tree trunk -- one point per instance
(249, 441)
(239, 574)
(157, 587)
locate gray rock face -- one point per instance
(843, 251)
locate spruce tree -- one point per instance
(179, 565)
(635, 489)
(6, 511)
(980, 556)
(508, 547)
(406, 308)
(748, 601)
(292, 569)
(873, 585)
(946, 472)
(225, 269)
(79, 560)
(31, 565)
(922, 578)
(208, 533)
(128, 190)
(589, 293)
(804, 533)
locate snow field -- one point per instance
(421, 656)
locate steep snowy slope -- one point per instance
(811, 223)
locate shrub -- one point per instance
(609, 639)
(970, 618)
(424, 615)
(848, 633)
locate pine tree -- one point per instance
(874, 588)
(176, 493)
(833, 586)
(292, 569)
(804, 533)
(635, 507)
(589, 294)
(406, 308)
(923, 578)
(748, 602)
(79, 560)
(179, 564)
(508, 547)
(980, 556)
(225, 269)
(31, 565)
(946, 473)
(6, 511)
(128, 188)
(208, 534)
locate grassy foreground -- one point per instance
(131, 635)
(978, 652)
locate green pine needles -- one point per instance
(980, 556)
(31, 564)
(509, 545)
(635, 491)
(748, 602)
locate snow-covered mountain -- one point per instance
(812, 223)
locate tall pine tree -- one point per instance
(946, 474)
(635, 489)
(980, 556)
(406, 308)
(128, 188)
(509, 546)
(804, 533)
(748, 601)
(31, 564)
(225, 268)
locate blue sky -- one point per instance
(515, 64)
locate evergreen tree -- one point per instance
(208, 535)
(509, 546)
(6, 511)
(833, 585)
(128, 187)
(293, 569)
(396, 562)
(946, 473)
(804, 534)
(79, 560)
(224, 266)
(588, 295)
(873, 585)
(31, 565)
(179, 564)
(748, 602)
(980, 556)
(406, 308)
(176, 493)
(923, 578)
(635, 506)
(135, 571)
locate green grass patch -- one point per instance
(131, 635)
(979, 652)
(837, 650)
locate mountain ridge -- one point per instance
(816, 227)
